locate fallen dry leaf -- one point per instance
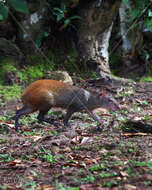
(129, 187)
(133, 134)
(75, 140)
(86, 140)
(67, 149)
(123, 174)
(14, 162)
(46, 187)
(92, 186)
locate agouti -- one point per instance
(44, 94)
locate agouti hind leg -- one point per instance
(41, 117)
(23, 111)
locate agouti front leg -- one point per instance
(96, 118)
(68, 115)
(71, 111)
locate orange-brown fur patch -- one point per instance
(38, 93)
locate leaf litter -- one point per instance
(83, 157)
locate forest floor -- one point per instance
(80, 157)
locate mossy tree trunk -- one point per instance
(95, 31)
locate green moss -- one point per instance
(30, 74)
(44, 63)
(146, 79)
(70, 63)
(6, 65)
(36, 68)
(10, 92)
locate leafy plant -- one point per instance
(10, 92)
(3, 11)
(7, 65)
(35, 71)
(40, 37)
(88, 179)
(61, 15)
(31, 185)
(103, 174)
(60, 12)
(17, 5)
(61, 187)
(47, 156)
(97, 167)
(146, 79)
(6, 157)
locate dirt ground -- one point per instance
(80, 157)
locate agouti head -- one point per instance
(42, 95)
(108, 102)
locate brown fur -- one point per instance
(37, 93)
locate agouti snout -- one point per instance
(42, 95)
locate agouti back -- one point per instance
(42, 95)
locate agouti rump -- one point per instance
(42, 95)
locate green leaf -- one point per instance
(19, 5)
(149, 13)
(58, 10)
(60, 17)
(40, 37)
(125, 1)
(135, 13)
(148, 22)
(75, 17)
(1, 17)
(3, 12)
(67, 21)
(63, 7)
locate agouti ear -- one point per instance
(103, 93)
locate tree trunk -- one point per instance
(95, 31)
(131, 35)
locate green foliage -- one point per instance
(125, 1)
(40, 37)
(89, 179)
(146, 79)
(148, 23)
(6, 157)
(97, 167)
(139, 7)
(30, 185)
(18, 5)
(70, 63)
(61, 15)
(3, 12)
(47, 156)
(31, 73)
(104, 174)
(61, 187)
(10, 92)
(5, 66)
(60, 12)
(147, 164)
(36, 68)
